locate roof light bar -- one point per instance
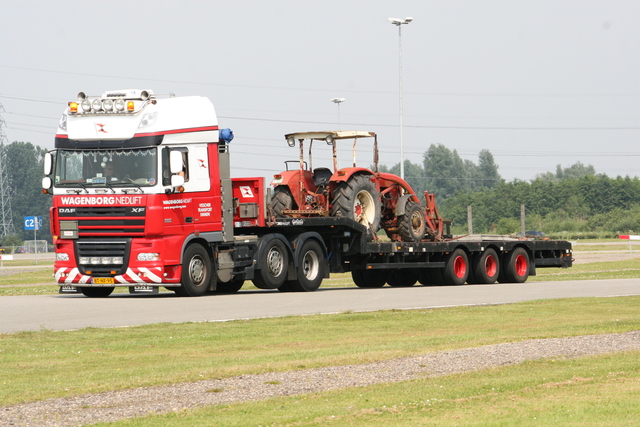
(113, 102)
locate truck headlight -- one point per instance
(144, 256)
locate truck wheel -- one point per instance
(310, 271)
(369, 278)
(516, 269)
(196, 272)
(456, 268)
(485, 268)
(230, 287)
(273, 264)
(431, 277)
(97, 292)
(281, 201)
(412, 225)
(403, 278)
(359, 200)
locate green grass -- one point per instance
(592, 391)
(626, 269)
(45, 364)
(27, 276)
(635, 247)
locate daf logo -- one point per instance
(67, 210)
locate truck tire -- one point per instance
(431, 277)
(230, 287)
(403, 278)
(273, 263)
(310, 271)
(485, 268)
(412, 225)
(456, 268)
(369, 278)
(358, 199)
(196, 272)
(516, 268)
(97, 292)
(281, 201)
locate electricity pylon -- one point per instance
(6, 217)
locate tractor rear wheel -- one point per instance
(359, 200)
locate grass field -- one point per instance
(593, 391)
(40, 365)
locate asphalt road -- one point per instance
(67, 312)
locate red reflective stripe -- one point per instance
(62, 136)
(168, 132)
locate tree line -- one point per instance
(572, 202)
(568, 203)
(24, 163)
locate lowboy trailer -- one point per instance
(143, 198)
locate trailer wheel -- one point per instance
(196, 272)
(485, 268)
(412, 225)
(230, 287)
(310, 271)
(431, 277)
(456, 268)
(273, 263)
(403, 278)
(359, 200)
(516, 269)
(369, 278)
(281, 201)
(97, 292)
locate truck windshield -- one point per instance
(106, 168)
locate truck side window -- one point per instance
(166, 175)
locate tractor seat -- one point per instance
(321, 176)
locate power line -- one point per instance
(457, 94)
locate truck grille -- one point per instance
(106, 221)
(102, 250)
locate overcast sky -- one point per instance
(538, 83)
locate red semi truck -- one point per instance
(143, 198)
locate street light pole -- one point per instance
(338, 101)
(398, 23)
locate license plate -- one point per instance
(103, 281)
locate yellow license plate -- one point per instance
(103, 281)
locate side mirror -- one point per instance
(48, 163)
(175, 162)
(177, 180)
(46, 183)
